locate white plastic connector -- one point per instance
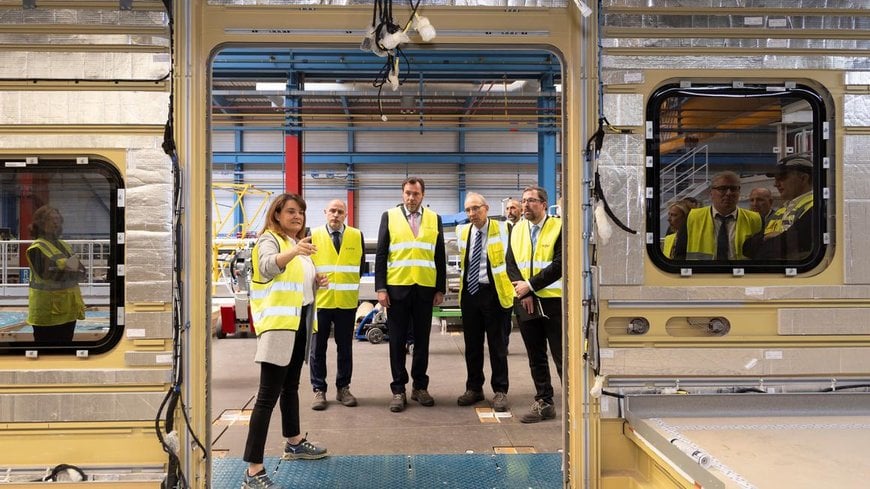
(393, 79)
(172, 442)
(384, 118)
(598, 386)
(424, 28)
(585, 11)
(602, 222)
(368, 42)
(669, 390)
(390, 41)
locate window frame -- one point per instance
(115, 261)
(823, 173)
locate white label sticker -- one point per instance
(773, 355)
(755, 291)
(163, 359)
(777, 22)
(753, 21)
(135, 333)
(606, 353)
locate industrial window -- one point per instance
(61, 255)
(737, 178)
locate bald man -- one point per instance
(341, 256)
(513, 210)
(761, 201)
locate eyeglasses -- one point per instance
(474, 208)
(725, 188)
(531, 201)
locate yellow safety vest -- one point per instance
(529, 264)
(277, 304)
(786, 215)
(496, 247)
(341, 268)
(412, 260)
(701, 238)
(53, 302)
(668, 245)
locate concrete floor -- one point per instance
(370, 428)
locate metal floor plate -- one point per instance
(462, 471)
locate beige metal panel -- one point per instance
(148, 325)
(84, 377)
(521, 142)
(856, 262)
(826, 321)
(70, 407)
(721, 362)
(324, 141)
(399, 142)
(856, 110)
(718, 61)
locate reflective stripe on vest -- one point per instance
(341, 268)
(411, 260)
(521, 245)
(53, 302)
(496, 246)
(786, 215)
(276, 304)
(701, 238)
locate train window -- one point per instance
(738, 178)
(60, 255)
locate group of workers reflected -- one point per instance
(724, 232)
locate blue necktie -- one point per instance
(474, 264)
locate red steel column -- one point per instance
(293, 163)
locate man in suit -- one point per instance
(341, 257)
(761, 201)
(410, 278)
(718, 231)
(513, 211)
(485, 297)
(534, 264)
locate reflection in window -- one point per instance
(737, 178)
(59, 251)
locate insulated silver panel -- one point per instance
(621, 165)
(856, 110)
(624, 109)
(732, 290)
(735, 62)
(725, 4)
(148, 325)
(85, 377)
(678, 362)
(148, 358)
(85, 107)
(856, 262)
(824, 321)
(38, 141)
(858, 78)
(72, 407)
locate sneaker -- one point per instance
(422, 396)
(258, 481)
(499, 402)
(539, 411)
(397, 403)
(319, 402)
(469, 398)
(305, 450)
(345, 397)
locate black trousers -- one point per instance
(537, 335)
(277, 382)
(412, 314)
(483, 316)
(60, 333)
(343, 322)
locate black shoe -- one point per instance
(469, 398)
(539, 411)
(397, 403)
(422, 396)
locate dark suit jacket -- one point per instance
(383, 251)
(544, 277)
